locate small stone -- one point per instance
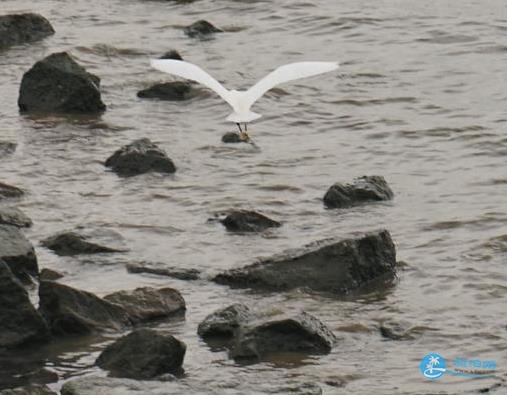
(146, 303)
(6, 147)
(172, 54)
(143, 354)
(138, 157)
(225, 322)
(161, 269)
(15, 217)
(19, 29)
(9, 191)
(59, 84)
(173, 91)
(362, 190)
(201, 29)
(233, 137)
(248, 221)
(49, 275)
(71, 243)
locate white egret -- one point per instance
(242, 101)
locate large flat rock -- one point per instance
(326, 266)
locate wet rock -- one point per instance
(225, 322)
(6, 147)
(201, 29)
(29, 390)
(362, 190)
(71, 243)
(174, 91)
(143, 354)
(18, 253)
(301, 333)
(9, 191)
(140, 156)
(172, 54)
(164, 270)
(59, 84)
(325, 266)
(49, 275)
(233, 137)
(15, 217)
(70, 311)
(20, 324)
(19, 29)
(248, 221)
(399, 330)
(145, 304)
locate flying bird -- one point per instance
(242, 101)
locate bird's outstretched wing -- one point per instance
(191, 72)
(288, 72)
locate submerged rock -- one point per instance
(326, 266)
(233, 137)
(172, 54)
(20, 323)
(146, 303)
(140, 156)
(164, 270)
(201, 29)
(97, 385)
(70, 311)
(9, 191)
(6, 147)
(15, 217)
(18, 29)
(248, 221)
(29, 390)
(143, 354)
(71, 243)
(225, 322)
(49, 275)
(58, 84)
(363, 189)
(174, 91)
(18, 253)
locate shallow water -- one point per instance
(420, 99)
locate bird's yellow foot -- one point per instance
(243, 136)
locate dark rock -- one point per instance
(18, 29)
(326, 266)
(71, 243)
(18, 253)
(301, 333)
(69, 311)
(143, 354)
(49, 275)
(58, 84)
(29, 390)
(398, 330)
(362, 190)
(172, 54)
(20, 323)
(225, 322)
(174, 91)
(163, 270)
(248, 221)
(140, 156)
(8, 191)
(145, 304)
(233, 137)
(6, 147)
(201, 29)
(15, 217)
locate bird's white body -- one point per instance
(242, 101)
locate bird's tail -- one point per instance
(244, 117)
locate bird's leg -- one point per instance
(239, 126)
(244, 135)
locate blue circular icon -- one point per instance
(432, 366)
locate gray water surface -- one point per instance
(420, 99)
